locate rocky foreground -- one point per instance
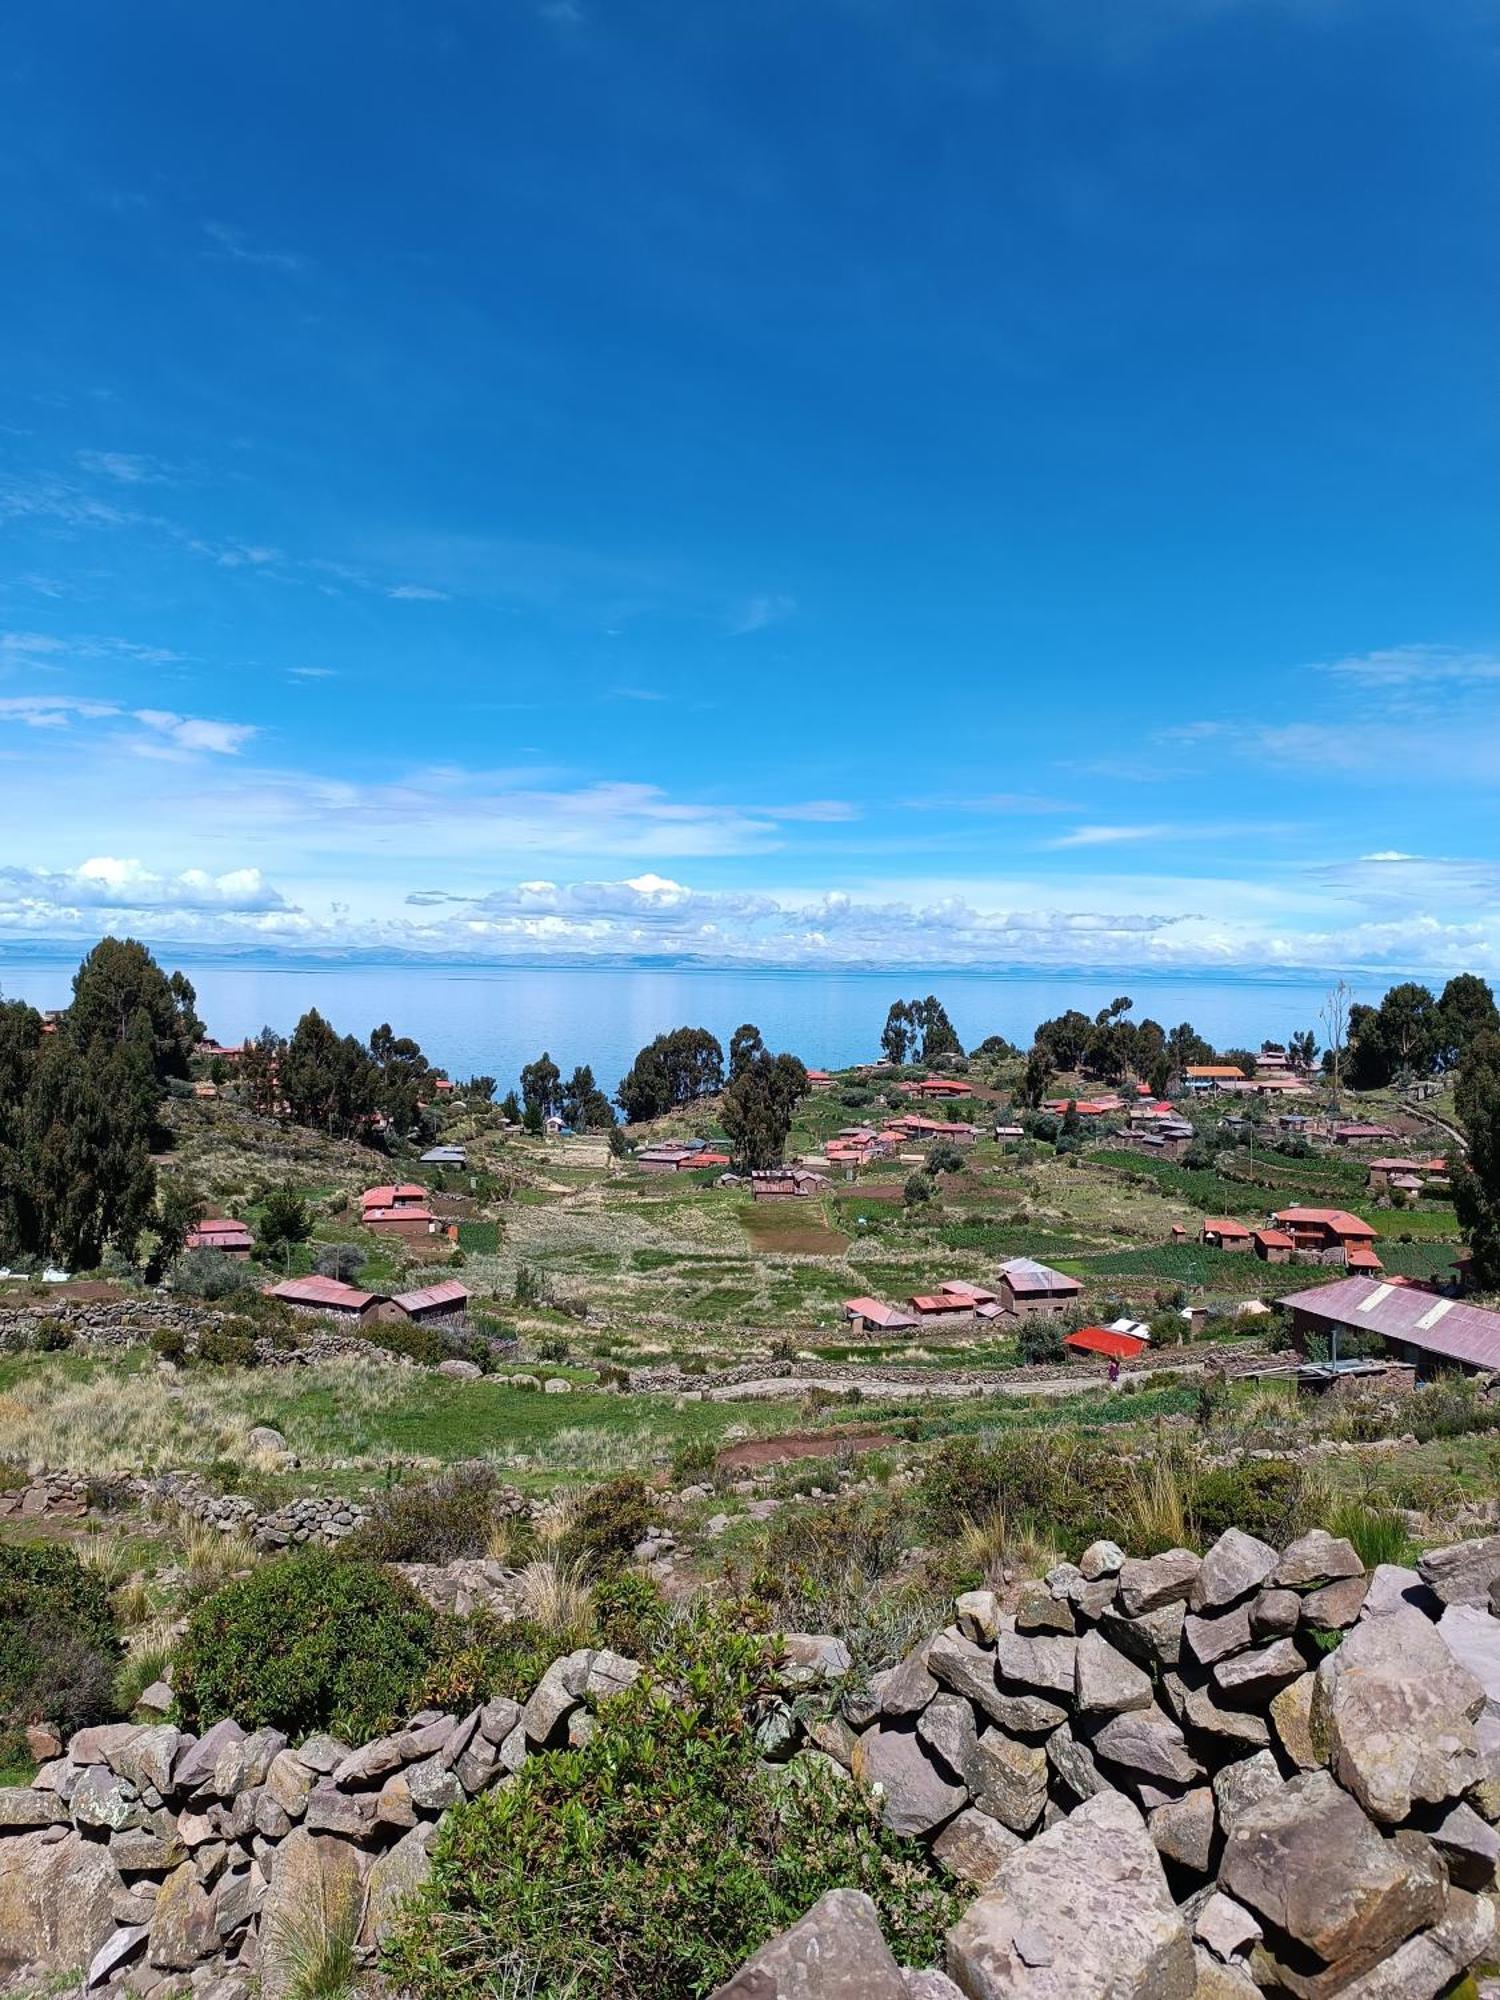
(1184, 1778)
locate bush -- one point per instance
(339, 1260)
(432, 1521)
(1040, 1340)
(169, 1343)
(58, 1645)
(1266, 1497)
(311, 1641)
(229, 1346)
(607, 1523)
(414, 1342)
(693, 1853)
(209, 1274)
(476, 1659)
(50, 1335)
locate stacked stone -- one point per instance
(1161, 1782)
(161, 1860)
(51, 1495)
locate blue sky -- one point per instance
(811, 481)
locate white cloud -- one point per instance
(760, 612)
(1108, 836)
(165, 730)
(417, 593)
(1420, 666)
(106, 882)
(126, 468)
(230, 246)
(188, 732)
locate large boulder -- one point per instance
(1104, 1681)
(315, 1890)
(1010, 1780)
(1317, 1872)
(1082, 1912)
(395, 1875)
(915, 1793)
(56, 1899)
(1463, 1573)
(973, 1846)
(835, 1952)
(1164, 1579)
(1393, 1715)
(182, 1922)
(1427, 1965)
(1317, 1558)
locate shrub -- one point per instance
(339, 1260)
(1265, 1497)
(58, 1645)
(692, 1853)
(431, 1521)
(695, 1460)
(414, 1342)
(606, 1524)
(1378, 1533)
(1039, 1339)
(209, 1274)
(475, 1659)
(311, 1641)
(170, 1343)
(227, 1346)
(50, 1335)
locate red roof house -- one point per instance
(220, 1232)
(1102, 1340)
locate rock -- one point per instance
(332, 1811)
(394, 1805)
(1229, 1728)
(101, 1799)
(907, 1689)
(817, 1654)
(1275, 1613)
(1154, 1636)
(1393, 1714)
(1215, 1638)
(1161, 1580)
(915, 1795)
(1104, 1681)
(1291, 1714)
(1394, 1587)
(432, 1787)
(43, 1743)
(182, 1922)
(156, 1699)
(314, 1887)
(101, 1743)
(272, 1822)
(1037, 1610)
(498, 1718)
(370, 1762)
(946, 1726)
(21, 1808)
(1148, 1744)
(265, 1437)
(458, 1370)
(199, 1760)
(322, 1753)
(1011, 1780)
(1473, 1638)
(1227, 1928)
(1217, 1981)
(57, 1898)
(288, 1782)
(1183, 1829)
(1101, 1559)
(477, 1766)
(965, 1668)
(977, 1613)
(1316, 1558)
(1426, 1966)
(1073, 1764)
(545, 1716)
(1309, 1863)
(1045, 1665)
(1082, 1912)
(149, 1756)
(1336, 1605)
(113, 1953)
(973, 1845)
(835, 1952)
(1027, 1714)
(1250, 1679)
(239, 1897)
(141, 1851)
(930, 1986)
(1244, 1784)
(1463, 1573)
(395, 1875)
(1467, 1843)
(1235, 1567)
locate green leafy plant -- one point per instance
(431, 1520)
(58, 1644)
(311, 1641)
(606, 1523)
(650, 1863)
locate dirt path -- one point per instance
(873, 1384)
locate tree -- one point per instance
(994, 1048)
(943, 1157)
(404, 1078)
(1475, 1175)
(585, 1108)
(1065, 1039)
(1403, 1036)
(328, 1081)
(675, 1069)
(919, 1031)
(1185, 1045)
(918, 1189)
(896, 1037)
(540, 1083)
(510, 1108)
(1334, 1014)
(1035, 1079)
(119, 986)
(284, 1220)
(84, 1175)
(1466, 1009)
(1244, 1060)
(480, 1088)
(260, 1072)
(758, 1105)
(1302, 1050)
(1159, 1076)
(744, 1045)
(180, 1207)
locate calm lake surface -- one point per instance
(490, 1019)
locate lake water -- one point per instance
(490, 1019)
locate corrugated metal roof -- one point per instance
(322, 1292)
(446, 1292)
(1223, 1225)
(1446, 1327)
(1339, 1220)
(1024, 1274)
(877, 1313)
(1100, 1340)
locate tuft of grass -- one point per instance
(554, 1595)
(319, 1947)
(1379, 1534)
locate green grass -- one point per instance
(481, 1238)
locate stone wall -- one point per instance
(1258, 1771)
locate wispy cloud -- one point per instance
(1415, 666)
(165, 731)
(417, 593)
(1108, 836)
(760, 612)
(106, 883)
(236, 555)
(126, 468)
(309, 673)
(637, 694)
(231, 246)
